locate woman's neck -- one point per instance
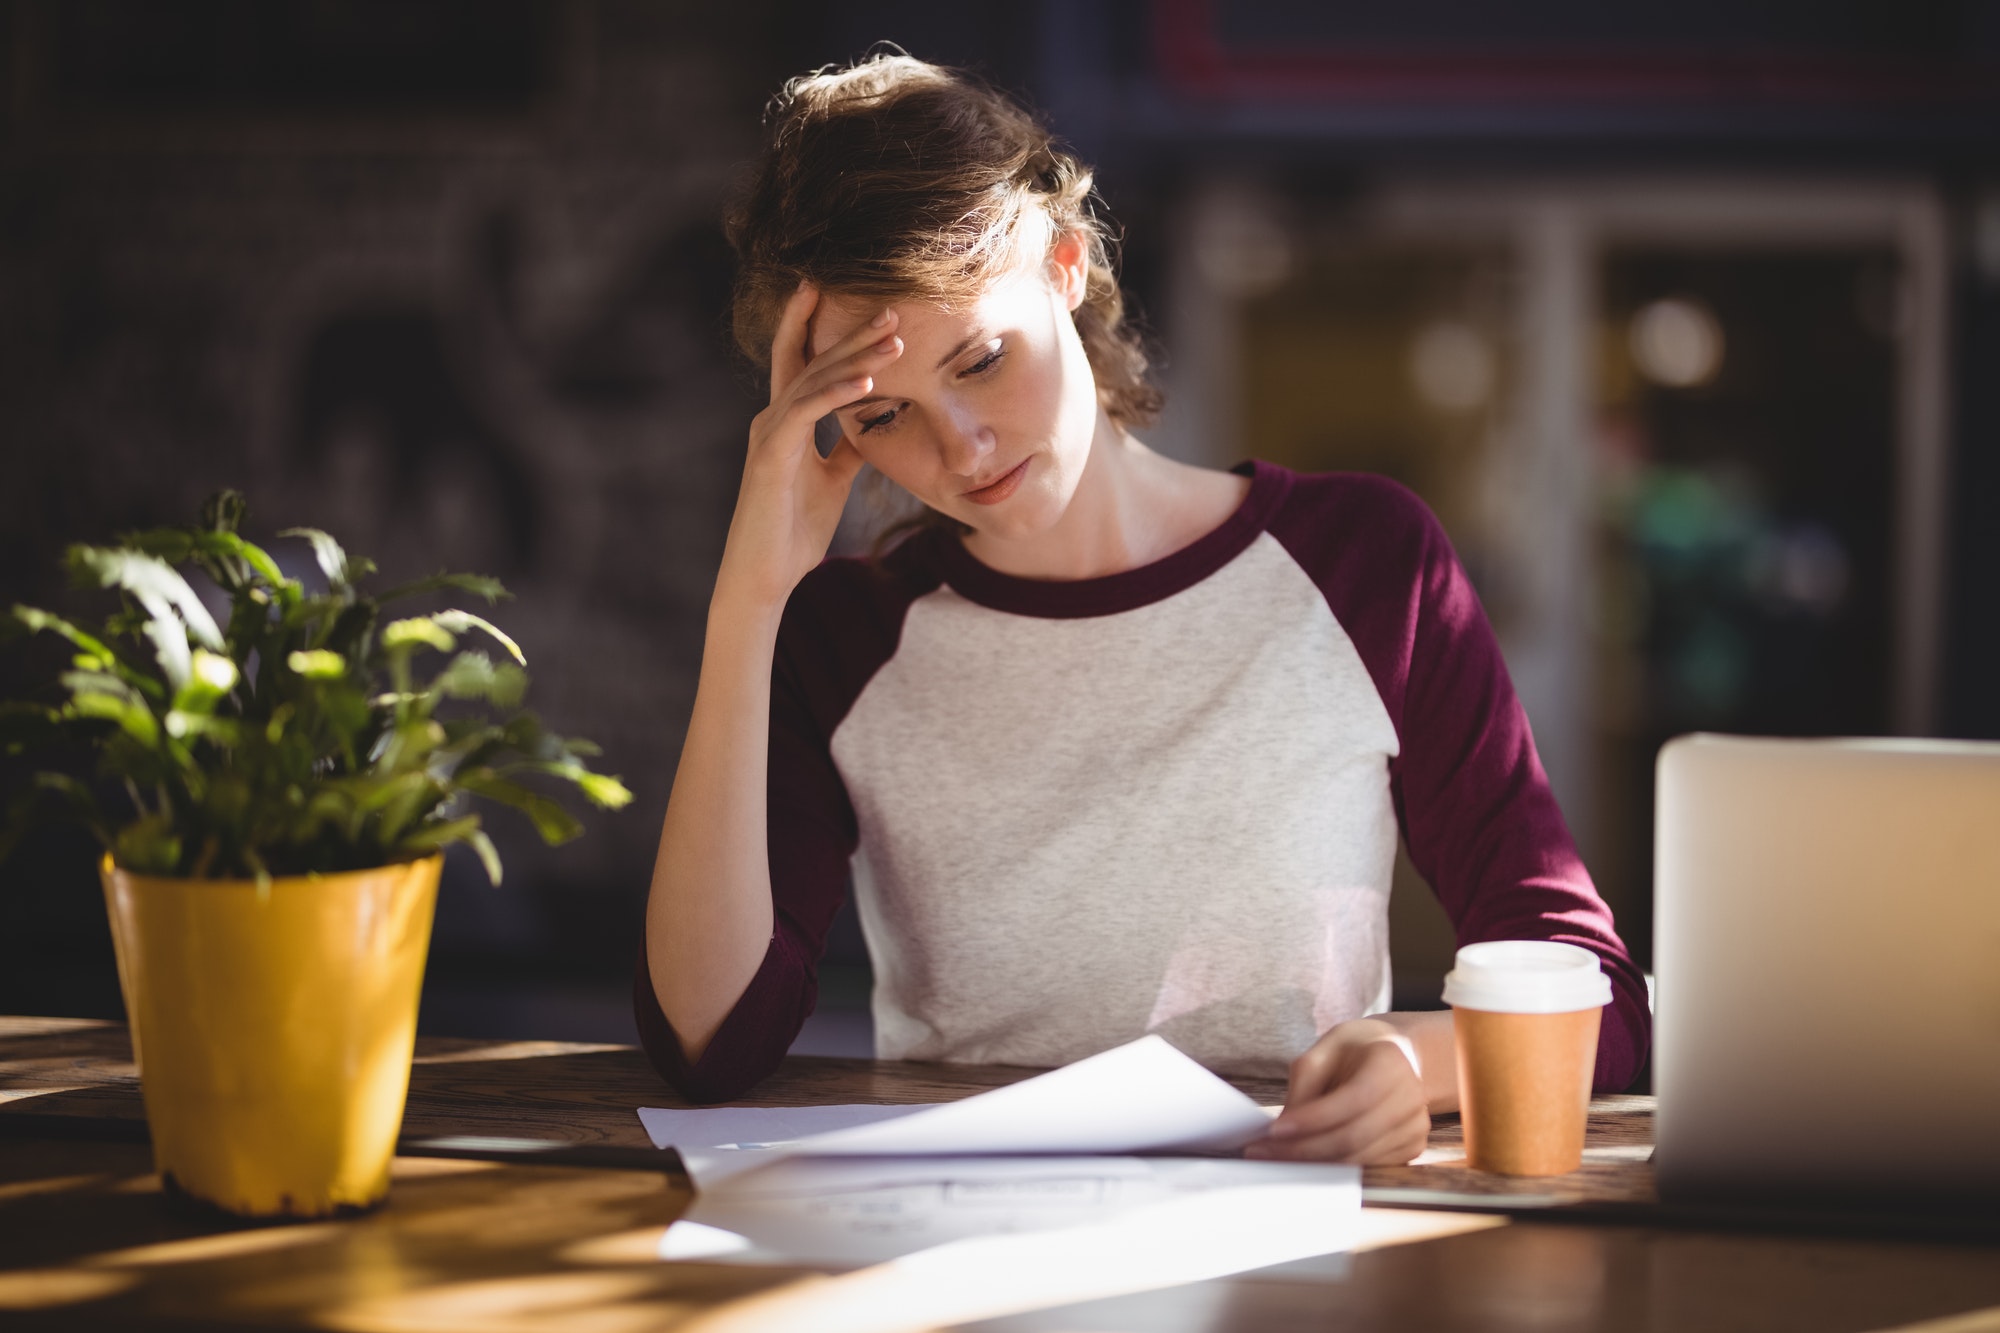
(1131, 507)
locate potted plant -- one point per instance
(290, 778)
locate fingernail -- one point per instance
(886, 345)
(879, 320)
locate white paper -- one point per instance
(1108, 1211)
(1144, 1096)
(755, 1127)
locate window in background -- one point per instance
(1746, 447)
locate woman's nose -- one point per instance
(965, 443)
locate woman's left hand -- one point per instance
(1358, 1095)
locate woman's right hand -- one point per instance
(791, 498)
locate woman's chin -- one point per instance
(1028, 513)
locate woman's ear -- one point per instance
(1069, 268)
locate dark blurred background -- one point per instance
(1684, 316)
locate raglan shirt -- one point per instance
(1166, 800)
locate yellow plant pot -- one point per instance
(274, 1031)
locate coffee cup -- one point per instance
(1526, 1014)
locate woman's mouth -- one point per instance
(995, 492)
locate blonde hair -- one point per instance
(893, 179)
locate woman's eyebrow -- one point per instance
(977, 335)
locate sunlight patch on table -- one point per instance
(572, 1302)
(1620, 1152)
(1381, 1228)
(696, 1240)
(23, 1094)
(514, 1050)
(51, 1288)
(1972, 1321)
(222, 1245)
(622, 1247)
(23, 1189)
(428, 1168)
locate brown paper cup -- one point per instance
(1525, 1013)
(1524, 1088)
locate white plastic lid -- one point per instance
(1527, 977)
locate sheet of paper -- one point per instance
(753, 1127)
(850, 1212)
(1144, 1096)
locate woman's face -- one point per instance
(988, 414)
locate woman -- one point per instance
(1112, 744)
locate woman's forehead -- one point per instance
(838, 316)
(834, 318)
(917, 322)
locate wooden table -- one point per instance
(476, 1237)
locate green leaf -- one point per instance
(476, 584)
(401, 801)
(224, 511)
(37, 620)
(172, 609)
(406, 810)
(489, 855)
(210, 678)
(604, 791)
(417, 630)
(172, 545)
(97, 694)
(107, 658)
(274, 726)
(472, 675)
(350, 631)
(148, 845)
(340, 570)
(317, 664)
(461, 621)
(406, 746)
(555, 824)
(219, 546)
(433, 837)
(223, 731)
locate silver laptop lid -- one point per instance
(1827, 958)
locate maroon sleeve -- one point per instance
(840, 626)
(1475, 807)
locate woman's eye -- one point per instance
(878, 421)
(984, 363)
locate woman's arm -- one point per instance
(709, 913)
(1473, 803)
(708, 917)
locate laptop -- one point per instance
(1827, 960)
